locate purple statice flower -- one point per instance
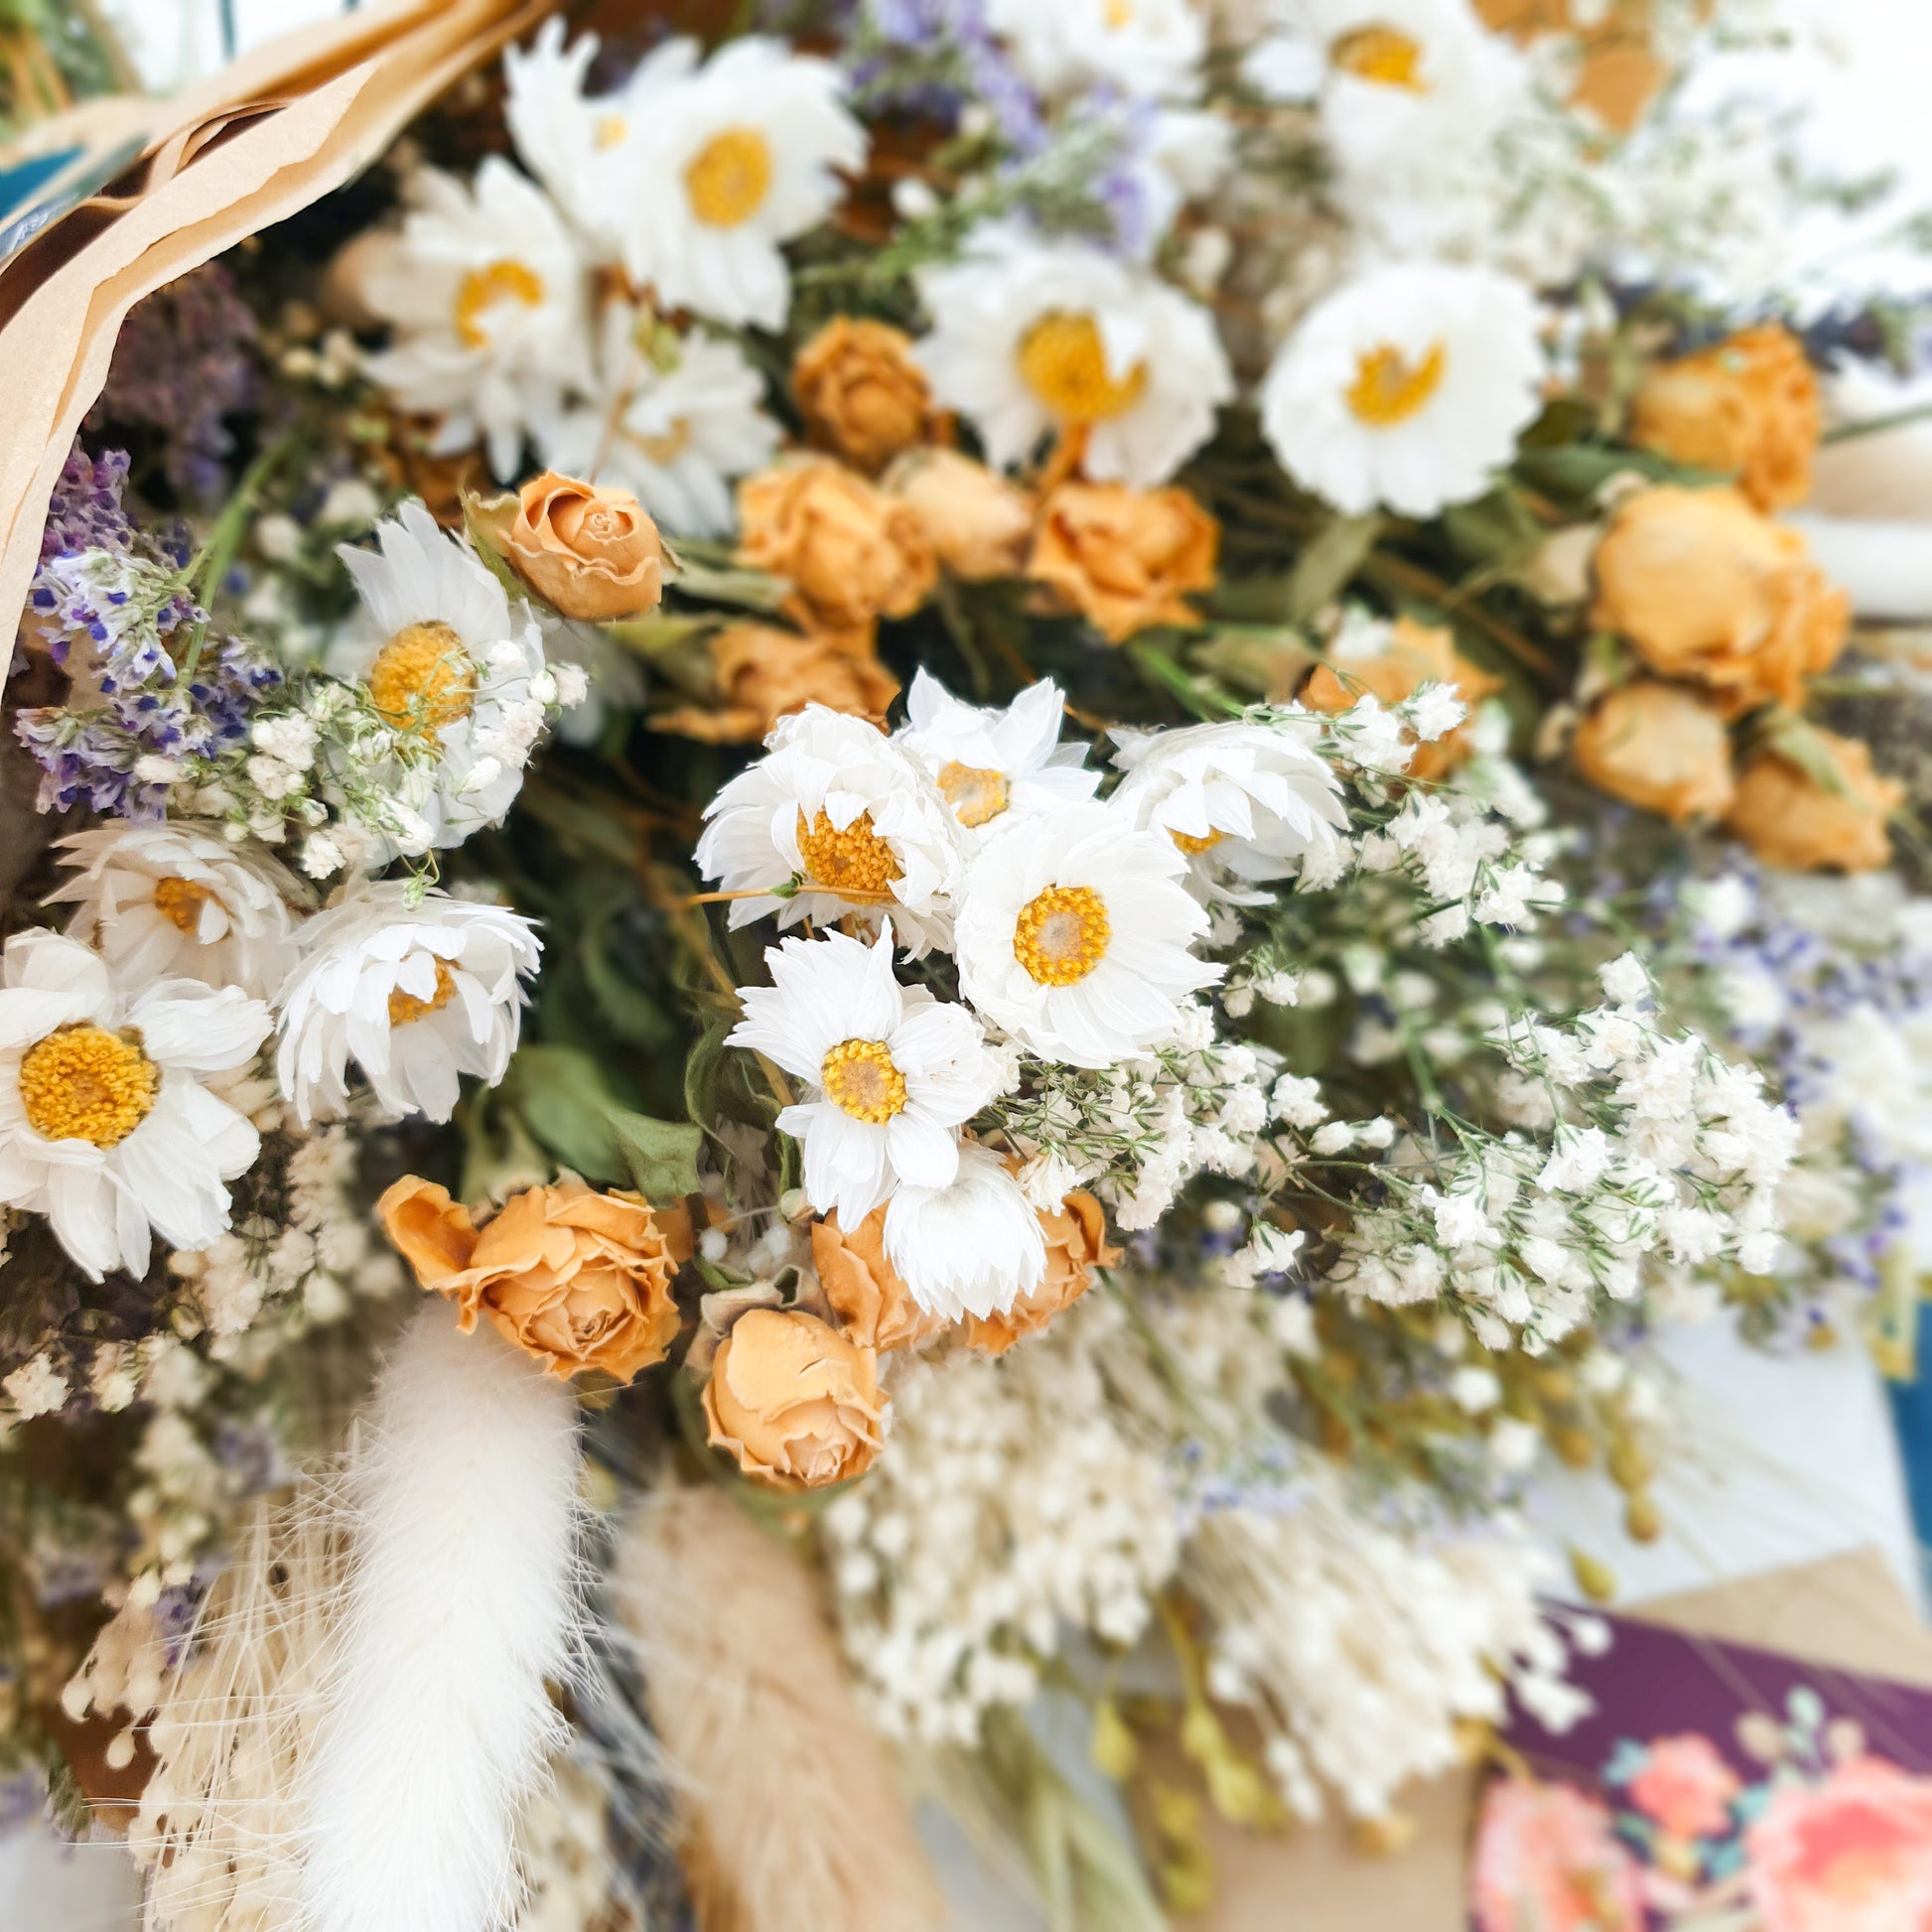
(85, 511)
(185, 361)
(933, 57)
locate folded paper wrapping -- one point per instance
(1845, 1612)
(251, 146)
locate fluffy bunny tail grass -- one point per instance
(461, 1602)
(793, 1809)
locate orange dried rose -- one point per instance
(1790, 820)
(1708, 590)
(977, 523)
(871, 1300)
(577, 1279)
(852, 553)
(1660, 747)
(1620, 71)
(1076, 1244)
(765, 674)
(793, 1401)
(1411, 654)
(1125, 558)
(1749, 406)
(589, 552)
(861, 393)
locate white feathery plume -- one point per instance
(462, 1601)
(759, 1721)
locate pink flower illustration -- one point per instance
(1685, 1788)
(1546, 1861)
(1851, 1855)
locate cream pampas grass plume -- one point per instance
(792, 1808)
(460, 1602)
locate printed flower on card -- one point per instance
(451, 668)
(416, 993)
(487, 293)
(1851, 1854)
(1405, 387)
(1545, 1860)
(105, 1125)
(893, 1072)
(1031, 337)
(1685, 1787)
(1073, 932)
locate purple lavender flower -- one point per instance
(184, 363)
(85, 511)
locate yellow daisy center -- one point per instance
(84, 1083)
(1063, 361)
(975, 794)
(859, 1076)
(728, 178)
(1389, 389)
(855, 861)
(1061, 935)
(1382, 55)
(405, 1007)
(666, 449)
(483, 288)
(180, 902)
(1118, 14)
(609, 130)
(1194, 845)
(423, 679)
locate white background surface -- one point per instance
(1790, 1460)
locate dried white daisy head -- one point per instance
(1031, 336)
(837, 807)
(487, 289)
(452, 667)
(677, 425)
(1073, 931)
(990, 761)
(1145, 48)
(973, 1246)
(693, 175)
(893, 1072)
(1407, 388)
(163, 901)
(1244, 802)
(416, 995)
(105, 1127)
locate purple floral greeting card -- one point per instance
(1716, 1788)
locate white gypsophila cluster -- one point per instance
(1361, 1651)
(1638, 1148)
(1014, 1506)
(309, 1263)
(1138, 1132)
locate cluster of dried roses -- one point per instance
(1727, 617)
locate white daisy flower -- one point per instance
(677, 434)
(1405, 387)
(835, 804)
(451, 663)
(1031, 336)
(415, 994)
(1402, 85)
(486, 291)
(162, 902)
(692, 176)
(987, 761)
(1147, 47)
(1073, 933)
(893, 1071)
(1244, 802)
(105, 1127)
(972, 1247)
